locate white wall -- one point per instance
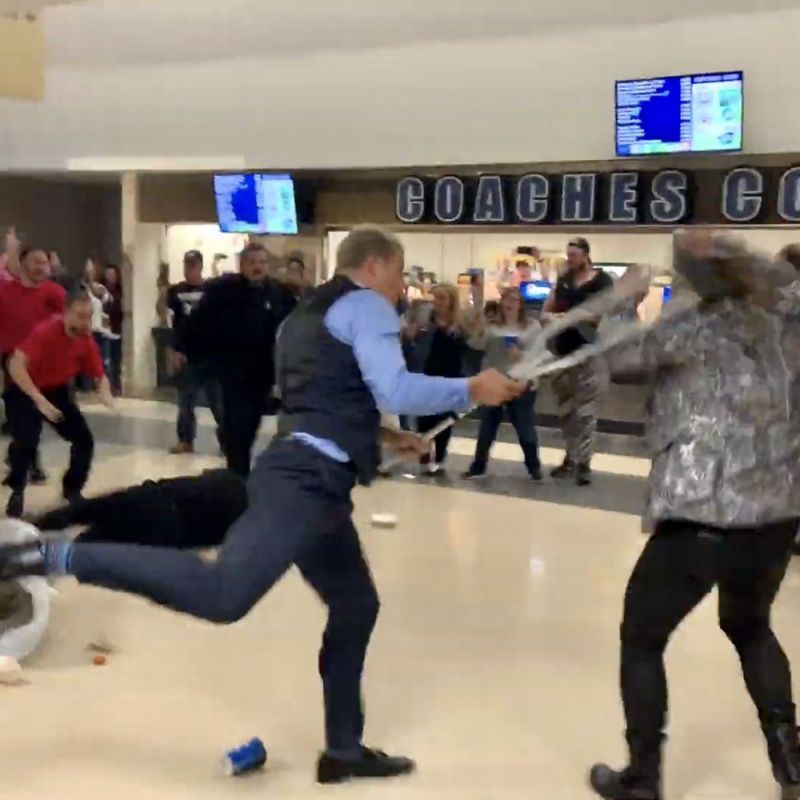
(538, 97)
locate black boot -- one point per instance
(370, 764)
(639, 781)
(583, 475)
(783, 747)
(566, 469)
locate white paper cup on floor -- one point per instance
(384, 520)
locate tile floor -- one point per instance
(494, 662)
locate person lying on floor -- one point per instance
(186, 513)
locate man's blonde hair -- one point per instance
(365, 242)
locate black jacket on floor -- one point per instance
(234, 326)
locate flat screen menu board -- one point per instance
(682, 114)
(252, 203)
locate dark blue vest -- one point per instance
(320, 383)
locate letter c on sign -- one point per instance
(742, 195)
(410, 200)
(789, 195)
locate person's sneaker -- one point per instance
(370, 764)
(19, 560)
(37, 476)
(473, 475)
(182, 449)
(15, 507)
(566, 469)
(536, 476)
(432, 468)
(583, 475)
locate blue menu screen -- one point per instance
(683, 114)
(251, 203)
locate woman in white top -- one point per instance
(504, 342)
(99, 296)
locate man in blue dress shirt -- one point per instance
(339, 365)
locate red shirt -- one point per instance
(22, 308)
(55, 357)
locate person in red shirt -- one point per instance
(41, 369)
(25, 301)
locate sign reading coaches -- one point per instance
(670, 197)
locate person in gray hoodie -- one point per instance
(504, 343)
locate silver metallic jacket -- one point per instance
(724, 416)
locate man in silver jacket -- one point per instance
(724, 494)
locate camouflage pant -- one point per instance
(576, 390)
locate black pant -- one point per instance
(114, 346)
(680, 565)
(521, 413)
(26, 431)
(242, 409)
(442, 441)
(299, 513)
(140, 515)
(8, 384)
(191, 381)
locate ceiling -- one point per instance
(89, 32)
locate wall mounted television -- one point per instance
(680, 114)
(256, 203)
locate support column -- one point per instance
(142, 248)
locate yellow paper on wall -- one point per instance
(21, 57)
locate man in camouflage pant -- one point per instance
(576, 391)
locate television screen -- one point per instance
(535, 291)
(682, 114)
(251, 203)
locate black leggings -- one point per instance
(680, 565)
(440, 442)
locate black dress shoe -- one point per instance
(58, 519)
(15, 507)
(370, 764)
(73, 497)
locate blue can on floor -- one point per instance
(247, 758)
